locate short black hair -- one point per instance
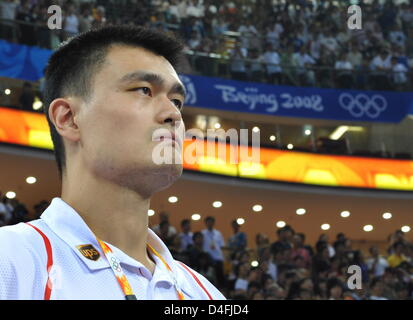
(209, 218)
(71, 67)
(185, 222)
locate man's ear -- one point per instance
(62, 113)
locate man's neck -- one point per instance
(115, 215)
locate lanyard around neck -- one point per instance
(121, 277)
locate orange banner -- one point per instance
(31, 129)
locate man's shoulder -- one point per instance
(196, 285)
(18, 240)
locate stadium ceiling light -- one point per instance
(173, 199)
(217, 204)
(217, 125)
(290, 146)
(272, 138)
(307, 132)
(240, 221)
(405, 229)
(368, 228)
(151, 212)
(31, 180)
(255, 129)
(341, 130)
(280, 224)
(387, 215)
(11, 194)
(345, 214)
(325, 226)
(254, 263)
(7, 91)
(37, 105)
(257, 208)
(196, 217)
(300, 211)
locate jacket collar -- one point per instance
(69, 226)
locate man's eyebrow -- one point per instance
(154, 79)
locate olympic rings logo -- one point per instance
(115, 264)
(362, 104)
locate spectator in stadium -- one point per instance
(324, 238)
(397, 257)
(213, 243)
(354, 56)
(238, 241)
(273, 68)
(27, 96)
(335, 289)
(166, 236)
(238, 66)
(70, 22)
(303, 63)
(26, 17)
(85, 18)
(186, 234)
(242, 271)
(381, 65)
(399, 74)
(377, 289)
(298, 249)
(344, 70)
(376, 264)
(362, 75)
(195, 41)
(255, 66)
(164, 216)
(8, 10)
(285, 235)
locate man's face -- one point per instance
(117, 124)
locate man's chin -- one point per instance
(168, 173)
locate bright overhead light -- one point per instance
(7, 91)
(217, 125)
(307, 132)
(240, 221)
(405, 229)
(300, 211)
(31, 180)
(280, 224)
(257, 208)
(325, 226)
(196, 216)
(217, 204)
(272, 138)
(290, 146)
(37, 105)
(341, 130)
(368, 228)
(387, 215)
(151, 212)
(254, 263)
(173, 199)
(345, 214)
(255, 129)
(11, 194)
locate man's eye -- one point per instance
(178, 103)
(144, 90)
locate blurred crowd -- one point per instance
(286, 269)
(294, 42)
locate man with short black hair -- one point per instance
(186, 234)
(213, 243)
(112, 98)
